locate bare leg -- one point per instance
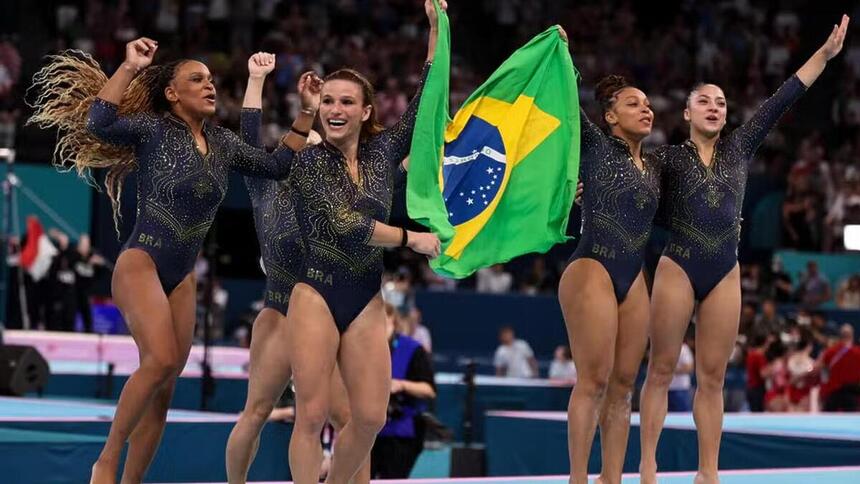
(672, 304)
(716, 332)
(590, 312)
(147, 312)
(313, 346)
(340, 415)
(615, 413)
(365, 364)
(144, 440)
(267, 379)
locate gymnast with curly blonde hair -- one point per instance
(152, 119)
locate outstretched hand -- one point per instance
(833, 44)
(261, 64)
(431, 11)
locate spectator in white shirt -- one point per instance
(514, 357)
(562, 367)
(494, 280)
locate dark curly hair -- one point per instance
(608, 88)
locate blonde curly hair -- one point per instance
(67, 86)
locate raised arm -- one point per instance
(813, 68)
(138, 56)
(309, 91)
(753, 132)
(397, 140)
(433, 17)
(251, 119)
(259, 66)
(103, 119)
(252, 161)
(592, 136)
(247, 157)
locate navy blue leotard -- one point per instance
(178, 189)
(618, 205)
(703, 203)
(336, 215)
(275, 221)
(281, 246)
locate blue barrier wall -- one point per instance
(465, 324)
(468, 323)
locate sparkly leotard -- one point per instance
(336, 215)
(275, 220)
(178, 189)
(618, 206)
(703, 203)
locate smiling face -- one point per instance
(630, 116)
(706, 110)
(191, 90)
(342, 110)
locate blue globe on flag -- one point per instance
(473, 167)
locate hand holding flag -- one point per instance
(499, 179)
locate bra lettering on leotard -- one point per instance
(678, 250)
(603, 251)
(320, 276)
(278, 297)
(149, 240)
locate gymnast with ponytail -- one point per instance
(153, 119)
(698, 276)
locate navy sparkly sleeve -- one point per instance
(251, 121)
(397, 140)
(591, 143)
(751, 134)
(105, 123)
(252, 161)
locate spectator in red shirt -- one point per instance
(840, 368)
(755, 364)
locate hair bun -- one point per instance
(608, 87)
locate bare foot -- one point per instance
(704, 478)
(103, 474)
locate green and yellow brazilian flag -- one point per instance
(499, 179)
